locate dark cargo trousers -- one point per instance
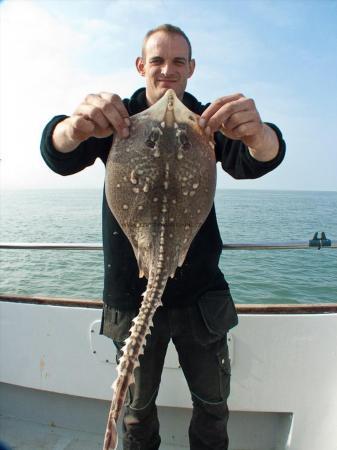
(199, 333)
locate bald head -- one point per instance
(167, 28)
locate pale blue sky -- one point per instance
(282, 54)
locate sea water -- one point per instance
(70, 216)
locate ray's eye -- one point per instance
(184, 141)
(153, 138)
(150, 143)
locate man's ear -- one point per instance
(192, 67)
(140, 66)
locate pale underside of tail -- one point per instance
(133, 348)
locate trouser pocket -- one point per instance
(218, 312)
(116, 324)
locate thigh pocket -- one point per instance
(117, 323)
(218, 312)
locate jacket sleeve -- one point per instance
(75, 161)
(238, 162)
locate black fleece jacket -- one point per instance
(200, 272)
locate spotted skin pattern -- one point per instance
(160, 185)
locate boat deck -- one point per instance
(28, 435)
(31, 419)
(38, 420)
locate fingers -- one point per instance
(117, 101)
(243, 130)
(99, 115)
(231, 115)
(80, 127)
(94, 114)
(242, 123)
(234, 114)
(107, 112)
(218, 104)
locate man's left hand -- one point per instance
(237, 118)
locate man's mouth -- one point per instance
(166, 81)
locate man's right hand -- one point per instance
(100, 115)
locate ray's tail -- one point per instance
(133, 348)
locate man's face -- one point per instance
(165, 65)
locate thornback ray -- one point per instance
(160, 185)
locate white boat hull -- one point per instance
(283, 390)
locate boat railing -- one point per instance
(315, 243)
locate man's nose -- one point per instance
(167, 69)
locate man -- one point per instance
(198, 309)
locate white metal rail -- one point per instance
(291, 245)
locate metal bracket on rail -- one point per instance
(323, 241)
